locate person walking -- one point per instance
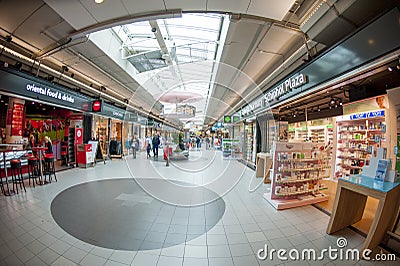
(134, 145)
(149, 141)
(198, 142)
(156, 143)
(207, 143)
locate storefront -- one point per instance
(108, 128)
(38, 108)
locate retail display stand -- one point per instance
(297, 171)
(358, 137)
(231, 149)
(352, 194)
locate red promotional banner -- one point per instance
(17, 119)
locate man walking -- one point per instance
(156, 143)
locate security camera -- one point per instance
(153, 30)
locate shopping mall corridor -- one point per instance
(101, 216)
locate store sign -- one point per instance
(251, 107)
(227, 119)
(52, 93)
(97, 106)
(285, 87)
(118, 114)
(236, 119)
(367, 115)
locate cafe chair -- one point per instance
(49, 167)
(16, 171)
(33, 170)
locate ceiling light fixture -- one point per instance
(390, 68)
(319, 109)
(98, 1)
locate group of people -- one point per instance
(47, 144)
(152, 143)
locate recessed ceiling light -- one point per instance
(98, 1)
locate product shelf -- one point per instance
(291, 181)
(285, 192)
(305, 169)
(304, 159)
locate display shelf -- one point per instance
(304, 160)
(353, 158)
(291, 186)
(289, 181)
(358, 137)
(305, 169)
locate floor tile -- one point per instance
(101, 252)
(92, 260)
(145, 259)
(220, 251)
(125, 257)
(169, 261)
(60, 246)
(238, 250)
(13, 260)
(245, 260)
(24, 254)
(174, 251)
(48, 256)
(256, 236)
(35, 261)
(216, 240)
(114, 263)
(36, 247)
(195, 262)
(195, 251)
(75, 254)
(221, 262)
(61, 261)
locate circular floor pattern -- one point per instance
(117, 214)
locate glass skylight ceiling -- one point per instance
(191, 38)
(151, 46)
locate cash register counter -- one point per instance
(350, 201)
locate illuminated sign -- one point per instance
(52, 93)
(227, 119)
(97, 106)
(285, 87)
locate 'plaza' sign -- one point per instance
(286, 86)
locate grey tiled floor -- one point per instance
(29, 235)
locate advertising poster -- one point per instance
(17, 119)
